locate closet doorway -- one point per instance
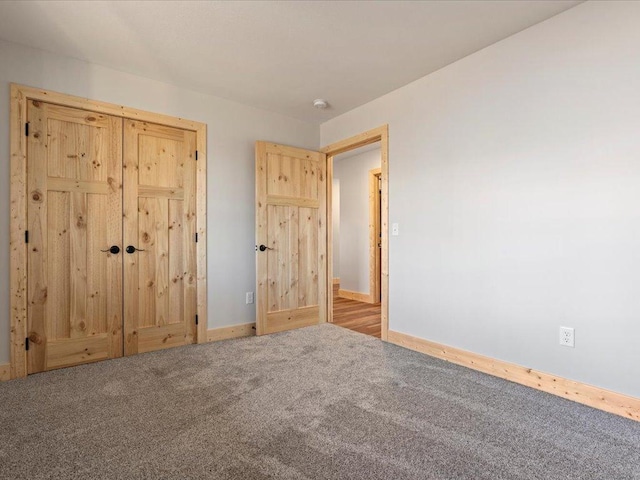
(107, 231)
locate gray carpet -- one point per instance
(316, 403)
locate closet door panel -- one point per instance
(159, 222)
(74, 176)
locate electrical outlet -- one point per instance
(567, 337)
(395, 229)
(249, 297)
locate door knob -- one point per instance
(114, 249)
(264, 247)
(132, 249)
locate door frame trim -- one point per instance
(20, 94)
(379, 134)
(375, 215)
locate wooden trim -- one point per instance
(374, 226)
(336, 281)
(595, 397)
(330, 238)
(295, 202)
(18, 276)
(106, 108)
(357, 296)
(201, 229)
(234, 331)
(5, 372)
(379, 134)
(18, 225)
(366, 138)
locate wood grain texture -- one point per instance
(17, 247)
(595, 397)
(160, 278)
(291, 222)
(379, 134)
(384, 229)
(66, 353)
(293, 318)
(374, 234)
(262, 235)
(105, 108)
(234, 331)
(37, 225)
(71, 304)
(5, 372)
(360, 140)
(331, 281)
(85, 113)
(201, 229)
(357, 316)
(357, 296)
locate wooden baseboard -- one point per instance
(5, 372)
(595, 397)
(336, 281)
(357, 296)
(234, 331)
(213, 335)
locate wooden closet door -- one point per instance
(74, 205)
(160, 223)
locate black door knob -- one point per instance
(114, 249)
(262, 248)
(132, 249)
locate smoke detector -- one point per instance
(320, 104)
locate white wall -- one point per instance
(335, 222)
(353, 173)
(515, 180)
(232, 131)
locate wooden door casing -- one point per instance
(159, 220)
(74, 204)
(30, 289)
(291, 223)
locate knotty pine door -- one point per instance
(83, 199)
(291, 238)
(160, 222)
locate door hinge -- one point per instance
(196, 155)
(196, 237)
(26, 236)
(26, 343)
(26, 129)
(196, 319)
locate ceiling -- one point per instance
(276, 55)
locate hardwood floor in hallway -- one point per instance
(357, 316)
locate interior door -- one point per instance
(159, 237)
(291, 238)
(74, 206)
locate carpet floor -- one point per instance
(317, 403)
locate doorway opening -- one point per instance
(358, 252)
(356, 239)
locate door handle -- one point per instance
(114, 249)
(263, 247)
(131, 249)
